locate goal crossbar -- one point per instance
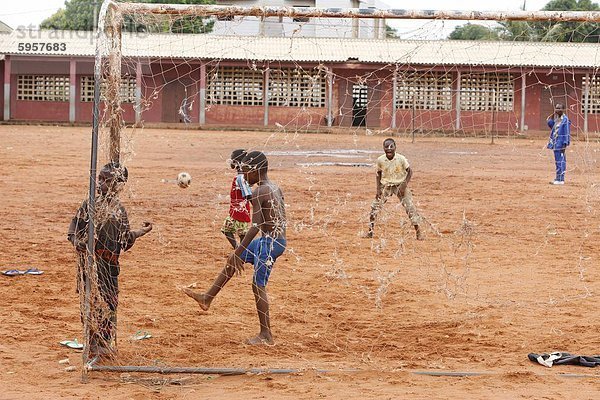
(307, 12)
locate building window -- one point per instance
(593, 95)
(424, 91)
(486, 92)
(128, 85)
(235, 86)
(294, 87)
(301, 19)
(43, 87)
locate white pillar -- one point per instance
(329, 97)
(7, 68)
(72, 90)
(138, 92)
(457, 100)
(523, 111)
(586, 102)
(266, 97)
(394, 94)
(202, 94)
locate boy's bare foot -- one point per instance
(201, 298)
(259, 340)
(368, 235)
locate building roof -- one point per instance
(5, 28)
(304, 49)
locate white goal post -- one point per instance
(107, 79)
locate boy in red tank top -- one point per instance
(238, 220)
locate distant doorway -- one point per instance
(176, 105)
(359, 105)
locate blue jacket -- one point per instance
(560, 134)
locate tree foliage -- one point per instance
(471, 31)
(537, 31)
(568, 31)
(79, 15)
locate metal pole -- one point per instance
(88, 268)
(312, 12)
(241, 371)
(113, 87)
(190, 370)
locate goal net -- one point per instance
(318, 91)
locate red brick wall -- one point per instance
(298, 117)
(235, 115)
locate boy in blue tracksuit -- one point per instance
(560, 138)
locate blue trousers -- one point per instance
(561, 164)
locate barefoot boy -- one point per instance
(111, 237)
(238, 220)
(393, 175)
(268, 218)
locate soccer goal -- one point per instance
(318, 90)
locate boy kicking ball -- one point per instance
(393, 176)
(268, 218)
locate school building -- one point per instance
(309, 82)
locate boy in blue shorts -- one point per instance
(268, 218)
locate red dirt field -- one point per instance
(509, 266)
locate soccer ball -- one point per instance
(184, 180)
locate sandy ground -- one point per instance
(509, 267)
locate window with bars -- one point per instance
(127, 89)
(235, 86)
(487, 92)
(593, 101)
(430, 90)
(294, 87)
(43, 87)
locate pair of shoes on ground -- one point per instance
(557, 183)
(15, 272)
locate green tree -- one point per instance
(568, 31)
(538, 31)
(520, 31)
(390, 32)
(79, 15)
(471, 31)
